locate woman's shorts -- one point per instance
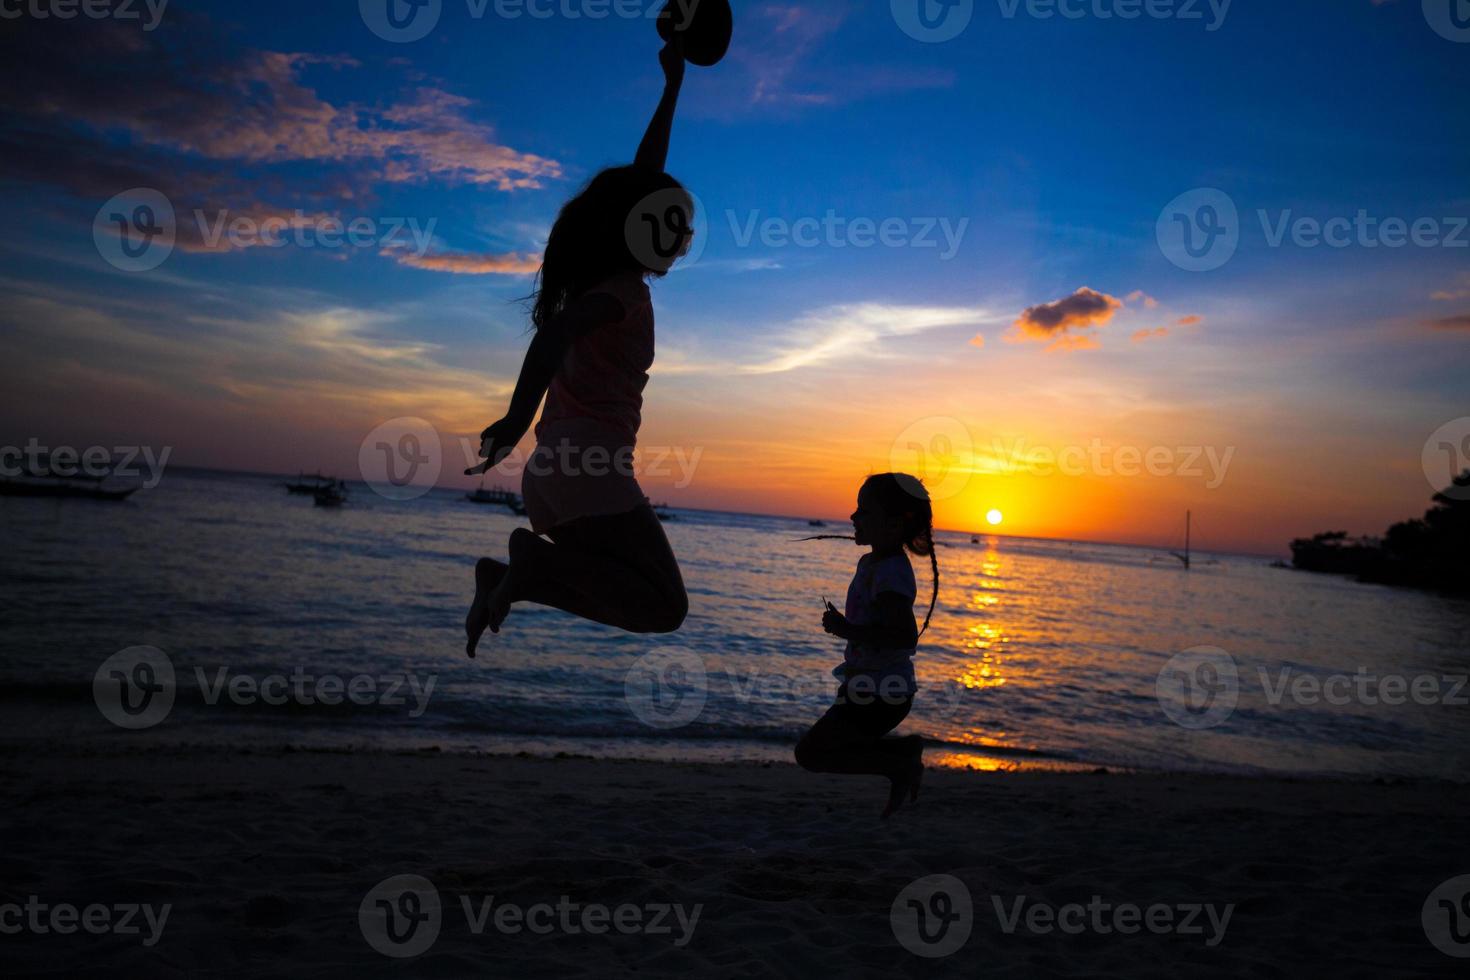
(580, 468)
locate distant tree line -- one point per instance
(1429, 552)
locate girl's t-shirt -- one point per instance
(872, 579)
(605, 370)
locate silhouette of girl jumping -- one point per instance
(877, 691)
(607, 558)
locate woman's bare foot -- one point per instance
(905, 786)
(488, 574)
(522, 558)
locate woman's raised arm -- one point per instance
(653, 152)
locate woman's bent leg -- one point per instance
(618, 570)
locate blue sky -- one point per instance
(1053, 143)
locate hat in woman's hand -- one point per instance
(703, 25)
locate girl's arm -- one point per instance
(543, 358)
(653, 152)
(896, 628)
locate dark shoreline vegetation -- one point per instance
(1431, 552)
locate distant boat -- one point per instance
(816, 523)
(1186, 558)
(974, 539)
(37, 478)
(307, 484)
(662, 512)
(1188, 520)
(499, 497)
(332, 495)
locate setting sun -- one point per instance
(994, 517)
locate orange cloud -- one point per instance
(469, 263)
(978, 340)
(1084, 308)
(1461, 322)
(1191, 320)
(1142, 335)
(1074, 342)
(1447, 295)
(1149, 302)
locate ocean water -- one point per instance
(1040, 654)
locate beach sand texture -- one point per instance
(265, 857)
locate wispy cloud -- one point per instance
(859, 329)
(469, 263)
(191, 93)
(784, 68)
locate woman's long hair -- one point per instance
(904, 497)
(626, 219)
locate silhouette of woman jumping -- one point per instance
(607, 558)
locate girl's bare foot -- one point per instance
(905, 786)
(488, 574)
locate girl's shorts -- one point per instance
(580, 468)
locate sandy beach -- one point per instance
(265, 858)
